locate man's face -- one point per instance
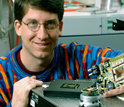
(41, 43)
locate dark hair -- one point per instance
(53, 6)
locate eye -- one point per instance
(33, 23)
(50, 24)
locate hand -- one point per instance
(21, 91)
(114, 92)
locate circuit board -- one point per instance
(110, 75)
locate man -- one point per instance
(39, 58)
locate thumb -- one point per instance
(104, 59)
(33, 77)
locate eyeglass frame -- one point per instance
(39, 24)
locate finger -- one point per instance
(35, 82)
(114, 92)
(25, 81)
(122, 88)
(32, 84)
(104, 59)
(111, 93)
(21, 83)
(33, 77)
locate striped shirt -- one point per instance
(71, 61)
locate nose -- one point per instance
(42, 33)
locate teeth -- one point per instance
(41, 44)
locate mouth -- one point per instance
(42, 44)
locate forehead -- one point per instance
(39, 15)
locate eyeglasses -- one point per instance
(49, 25)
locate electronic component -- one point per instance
(110, 75)
(68, 85)
(66, 88)
(87, 96)
(90, 97)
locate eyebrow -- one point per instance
(28, 20)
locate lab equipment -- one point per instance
(110, 74)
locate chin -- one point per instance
(42, 55)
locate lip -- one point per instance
(41, 45)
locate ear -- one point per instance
(60, 28)
(17, 26)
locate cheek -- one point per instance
(55, 36)
(26, 34)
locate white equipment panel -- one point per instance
(93, 29)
